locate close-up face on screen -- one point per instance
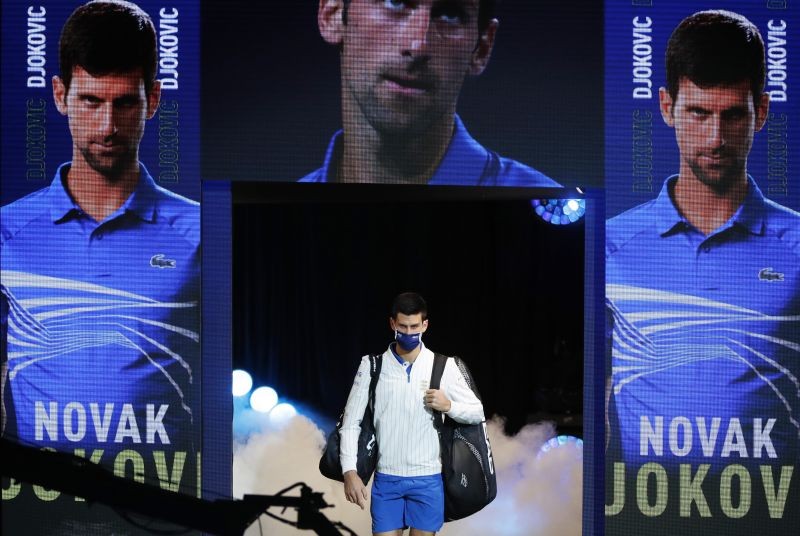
(463, 92)
(458, 267)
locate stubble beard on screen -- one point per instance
(112, 168)
(396, 119)
(719, 178)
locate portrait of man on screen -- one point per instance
(702, 293)
(101, 274)
(402, 66)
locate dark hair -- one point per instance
(713, 48)
(108, 36)
(485, 13)
(409, 303)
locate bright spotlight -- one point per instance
(263, 399)
(282, 413)
(559, 211)
(242, 382)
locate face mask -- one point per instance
(408, 341)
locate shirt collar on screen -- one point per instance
(463, 163)
(750, 215)
(141, 202)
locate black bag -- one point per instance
(468, 472)
(329, 464)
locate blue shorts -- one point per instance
(399, 502)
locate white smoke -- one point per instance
(537, 493)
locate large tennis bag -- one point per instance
(468, 472)
(367, 458)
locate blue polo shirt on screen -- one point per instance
(706, 334)
(103, 322)
(466, 163)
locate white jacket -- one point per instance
(408, 444)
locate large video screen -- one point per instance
(100, 256)
(365, 91)
(702, 268)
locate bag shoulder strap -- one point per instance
(467, 375)
(439, 362)
(375, 362)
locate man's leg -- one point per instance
(425, 505)
(387, 505)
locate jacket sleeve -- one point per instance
(353, 413)
(465, 407)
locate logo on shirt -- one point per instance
(160, 261)
(464, 480)
(768, 274)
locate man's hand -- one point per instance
(435, 399)
(354, 489)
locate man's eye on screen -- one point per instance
(126, 102)
(450, 12)
(734, 115)
(395, 5)
(90, 102)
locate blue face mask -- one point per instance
(408, 341)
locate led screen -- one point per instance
(101, 250)
(533, 100)
(701, 268)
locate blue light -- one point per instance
(263, 399)
(282, 414)
(242, 382)
(560, 441)
(559, 211)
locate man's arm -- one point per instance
(465, 406)
(354, 488)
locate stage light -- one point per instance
(263, 399)
(560, 441)
(282, 413)
(242, 382)
(559, 211)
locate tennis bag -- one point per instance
(329, 464)
(468, 472)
